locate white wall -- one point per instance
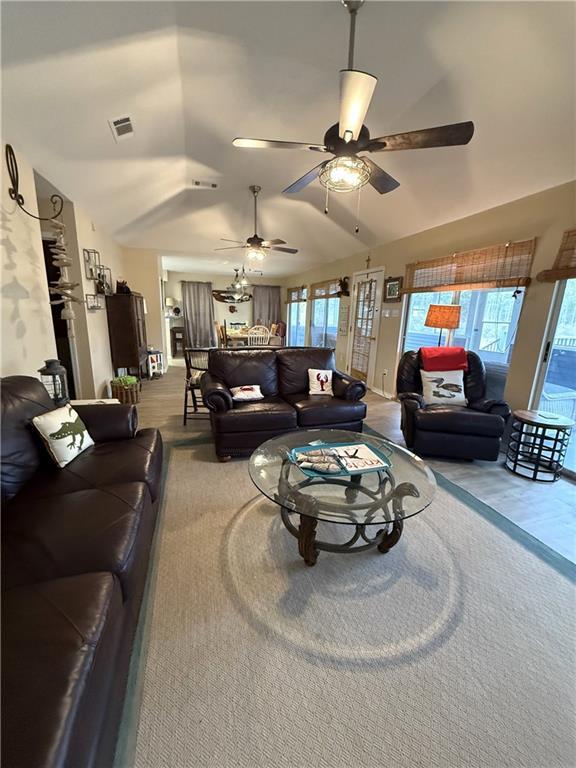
(27, 334)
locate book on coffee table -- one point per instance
(340, 459)
(360, 458)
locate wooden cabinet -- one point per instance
(127, 330)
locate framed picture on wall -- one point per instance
(392, 289)
(91, 263)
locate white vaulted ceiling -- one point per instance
(194, 75)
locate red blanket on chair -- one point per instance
(444, 358)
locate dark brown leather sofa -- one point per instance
(240, 427)
(75, 551)
(462, 432)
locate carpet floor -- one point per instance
(454, 649)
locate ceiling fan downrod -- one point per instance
(254, 188)
(353, 7)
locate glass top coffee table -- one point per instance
(383, 498)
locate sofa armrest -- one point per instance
(109, 422)
(497, 407)
(215, 394)
(347, 387)
(410, 402)
(417, 398)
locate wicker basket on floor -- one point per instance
(128, 395)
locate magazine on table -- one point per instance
(359, 457)
(340, 459)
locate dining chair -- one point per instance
(196, 360)
(258, 336)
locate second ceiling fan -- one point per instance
(349, 136)
(256, 247)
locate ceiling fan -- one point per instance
(255, 246)
(349, 136)
(236, 291)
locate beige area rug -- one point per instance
(454, 649)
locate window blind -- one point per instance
(565, 264)
(326, 290)
(297, 294)
(497, 266)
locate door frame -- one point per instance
(357, 277)
(548, 341)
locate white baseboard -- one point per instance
(382, 393)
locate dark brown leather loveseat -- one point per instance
(75, 552)
(282, 374)
(473, 431)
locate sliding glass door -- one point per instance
(558, 394)
(324, 314)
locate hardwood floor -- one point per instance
(547, 511)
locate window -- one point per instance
(296, 316)
(324, 314)
(488, 322)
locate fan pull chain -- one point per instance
(326, 203)
(357, 227)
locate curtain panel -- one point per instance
(198, 308)
(266, 305)
(496, 266)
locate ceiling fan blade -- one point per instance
(273, 242)
(230, 248)
(442, 136)
(356, 90)
(379, 179)
(284, 250)
(304, 180)
(227, 240)
(265, 144)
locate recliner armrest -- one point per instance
(497, 407)
(109, 422)
(347, 387)
(402, 396)
(215, 394)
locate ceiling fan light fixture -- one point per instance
(345, 174)
(255, 254)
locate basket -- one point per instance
(128, 394)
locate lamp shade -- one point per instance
(169, 302)
(443, 316)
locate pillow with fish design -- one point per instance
(64, 434)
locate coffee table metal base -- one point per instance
(309, 546)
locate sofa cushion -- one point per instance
(237, 368)
(78, 532)
(458, 420)
(319, 410)
(23, 397)
(59, 641)
(271, 413)
(293, 365)
(118, 461)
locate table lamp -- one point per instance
(443, 316)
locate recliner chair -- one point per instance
(473, 431)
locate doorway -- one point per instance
(556, 389)
(60, 326)
(365, 324)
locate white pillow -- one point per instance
(446, 387)
(249, 392)
(64, 434)
(320, 381)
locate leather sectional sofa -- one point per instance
(75, 551)
(282, 374)
(473, 431)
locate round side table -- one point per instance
(537, 445)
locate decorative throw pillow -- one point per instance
(249, 392)
(446, 387)
(64, 434)
(320, 381)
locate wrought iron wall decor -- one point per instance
(15, 194)
(94, 301)
(91, 263)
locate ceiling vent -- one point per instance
(203, 184)
(121, 128)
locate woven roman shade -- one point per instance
(565, 265)
(297, 294)
(497, 266)
(325, 290)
